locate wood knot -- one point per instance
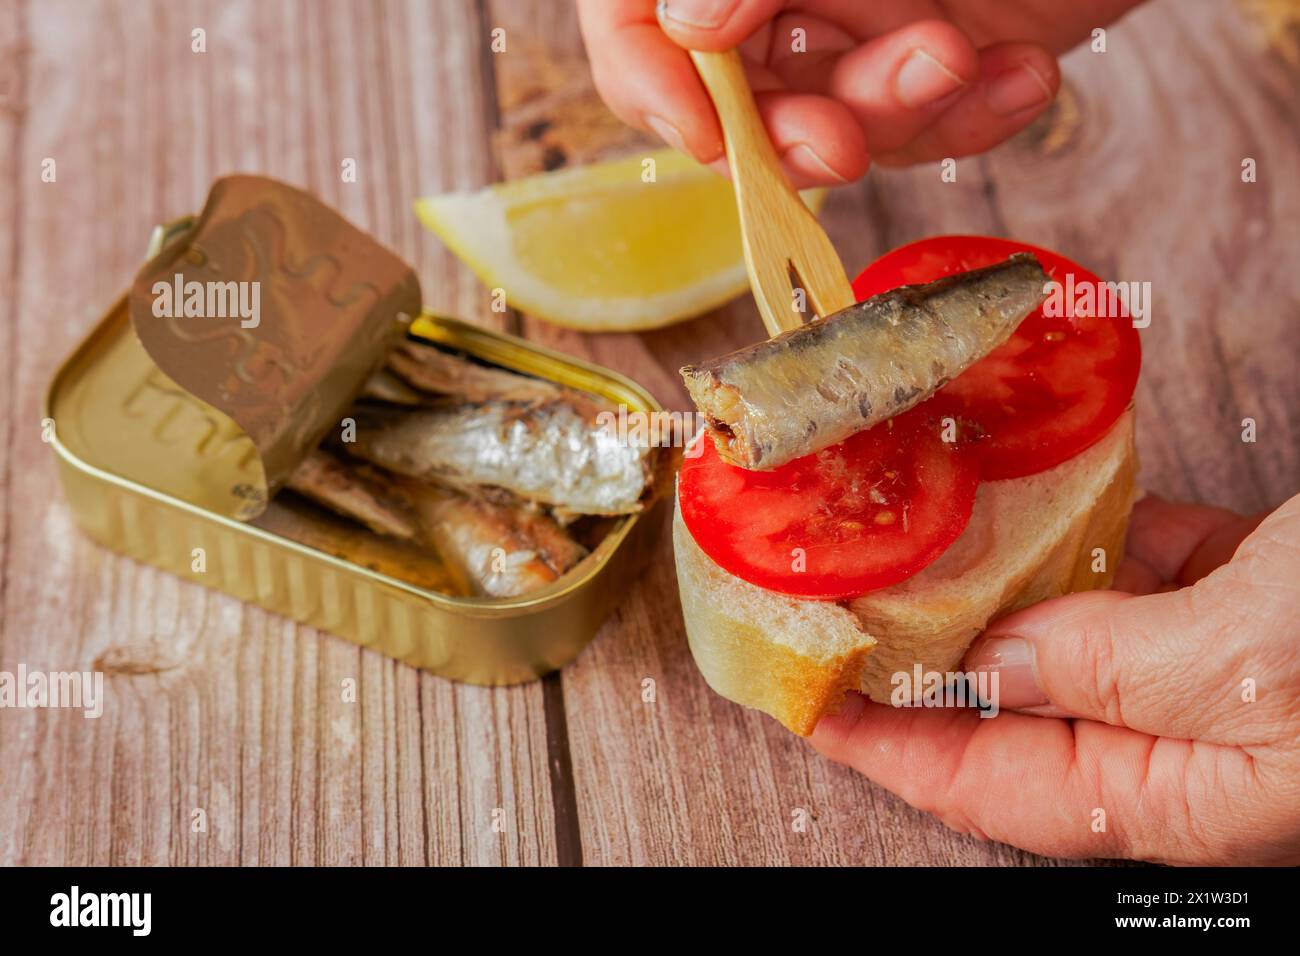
(145, 657)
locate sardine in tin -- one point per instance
(155, 472)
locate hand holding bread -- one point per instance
(1157, 721)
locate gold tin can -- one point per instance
(118, 420)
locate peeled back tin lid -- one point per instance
(273, 311)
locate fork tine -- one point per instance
(778, 230)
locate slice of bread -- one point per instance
(1028, 539)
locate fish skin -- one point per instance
(411, 561)
(386, 386)
(809, 388)
(554, 544)
(550, 453)
(492, 548)
(331, 482)
(430, 369)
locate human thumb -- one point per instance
(1169, 664)
(714, 24)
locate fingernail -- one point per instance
(1016, 90)
(701, 14)
(923, 80)
(1012, 659)
(666, 131)
(808, 157)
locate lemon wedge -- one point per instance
(629, 244)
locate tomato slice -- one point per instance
(860, 515)
(1049, 391)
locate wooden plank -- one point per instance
(1140, 175)
(218, 706)
(1127, 176)
(13, 106)
(212, 704)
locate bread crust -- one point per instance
(795, 659)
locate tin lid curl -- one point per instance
(272, 310)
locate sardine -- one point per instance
(430, 369)
(411, 561)
(492, 546)
(494, 549)
(385, 386)
(548, 452)
(333, 483)
(809, 388)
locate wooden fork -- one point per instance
(780, 233)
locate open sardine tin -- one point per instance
(174, 433)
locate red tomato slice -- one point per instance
(863, 514)
(1049, 391)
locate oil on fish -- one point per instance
(549, 453)
(478, 465)
(496, 549)
(333, 483)
(491, 544)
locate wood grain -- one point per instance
(246, 718)
(219, 706)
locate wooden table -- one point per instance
(219, 706)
